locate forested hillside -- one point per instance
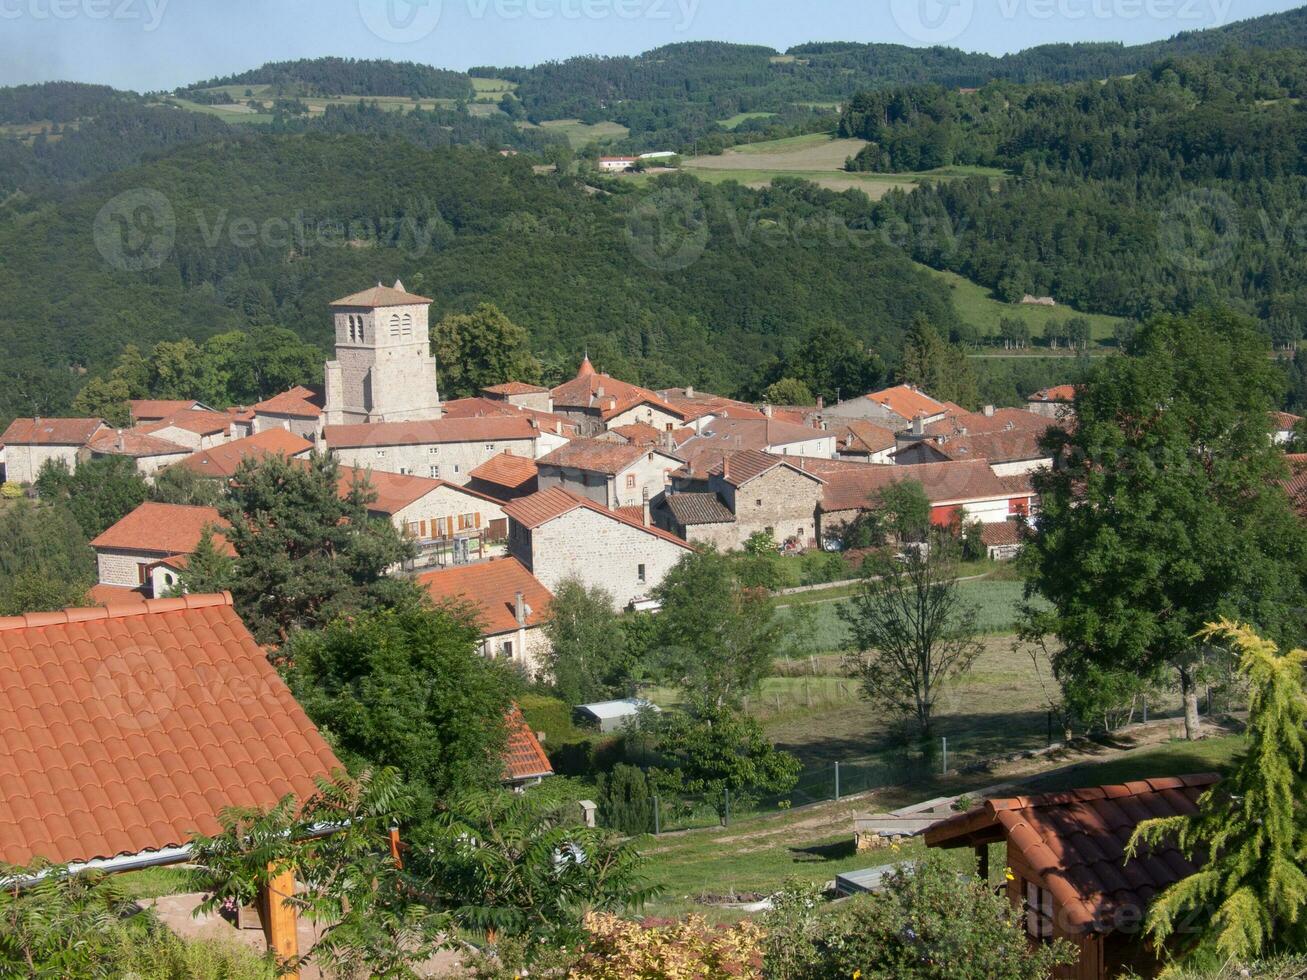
(352, 76)
(270, 230)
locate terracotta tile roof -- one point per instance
(192, 420)
(907, 402)
(395, 491)
(506, 470)
(1019, 485)
(470, 408)
(300, 402)
(849, 485)
(976, 423)
(135, 443)
(492, 587)
(380, 295)
(51, 432)
(862, 436)
(1002, 533)
(547, 505)
(737, 469)
(1284, 421)
(429, 432)
(514, 388)
(163, 529)
(131, 728)
(1296, 485)
(1057, 393)
(524, 758)
(1075, 843)
(114, 595)
(583, 391)
(616, 406)
(691, 509)
(221, 462)
(996, 447)
(599, 455)
(640, 434)
(154, 409)
(760, 433)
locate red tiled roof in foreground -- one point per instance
(492, 586)
(524, 758)
(129, 729)
(1074, 842)
(299, 402)
(1058, 393)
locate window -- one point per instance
(490, 446)
(758, 502)
(403, 471)
(394, 325)
(1039, 912)
(408, 324)
(142, 574)
(455, 467)
(381, 454)
(639, 574)
(433, 450)
(414, 529)
(630, 481)
(506, 649)
(434, 471)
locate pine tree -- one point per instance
(1252, 826)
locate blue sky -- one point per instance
(159, 44)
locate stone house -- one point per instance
(611, 474)
(769, 494)
(595, 402)
(1011, 453)
(195, 429)
(220, 462)
(723, 436)
(558, 535)
(1055, 403)
(30, 443)
(892, 407)
(442, 449)
(553, 430)
(505, 477)
(699, 518)
(299, 410)
(864, 441)
(126, 552)
(511, 604)
(145, 410)
(521, 395)
(148, 453)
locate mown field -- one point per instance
(978, 306)
(580, 134)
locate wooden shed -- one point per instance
(1069, 873)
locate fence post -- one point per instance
(726, 820)
(944, 771)
(837, 782)
(657, 822)
(1145, 711)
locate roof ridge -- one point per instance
(75, 614)
(1133, 788)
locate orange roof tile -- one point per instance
(863, 436)
(524, 758)
(129, 729)
(300, 402)
(506, 470)
(1075, 842)
(1057, 393)
(850, 485)
(1002, 533)
(429, 432)
(1284, 421)
(583, 391)
(737, 469)
(380, 295)
(640, 434)
(907, 402)
(192, 420)
(395, 491)
(994, 447)
(164, 529)
(154, 409)
(114, 595)
(51, 432)
(135, 443)
(547, 505)
(221, 462)
(492, 587)
(515, 388)
(470, 408)
(598, 455)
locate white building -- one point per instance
(441, 449)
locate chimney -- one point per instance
(766, 410)
(726, 468)
(645, 502)
(558, 428)
(599, 392)
(689, 391)
(120, 440)
(519, 608)
(821, 403)
(533, 422)
(989, 411)
(918, 426)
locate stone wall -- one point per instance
(781, 501)
(448, 504)
(450, 461)
(123, 567)
(23, 463)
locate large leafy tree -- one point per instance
(717, 638)
(408, 688)
(99, 493)
(1166, 509)
(481, 348)
(1249, 897)
(830, 360)
(933, 364)
(588, 659)
(912, 629)
(305, 553)
(46, 563)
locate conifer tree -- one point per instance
(1249, 898)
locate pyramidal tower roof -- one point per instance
(381, 295)
(586, 369)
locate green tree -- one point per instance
(46, 563)
(831, 361)
(717, 747)
(481, 348)
(305, 553)
(913, 632)
(718, 638)
(936, 366)
(588, 658)
(788, 391)
(901, 510)
(99, 493)
(182, 485)
(409, 687)
(625, 800)
(208, 569)
(1167, 508)
(1248, 898)
(104, 399)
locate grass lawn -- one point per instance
(235, 113)
(580, 134)
(492, 88)
(976, 305)
(741, 117)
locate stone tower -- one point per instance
(384, 370)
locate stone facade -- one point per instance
(305, 428)
(125, 568)
(782, 501)
(383, 370)
(649, 415)
(449, 461)
(447, 510)
(525, 647)
(23, 463)
(599, 550)
(189, 438)
(626, 488)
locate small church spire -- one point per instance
(586, 368)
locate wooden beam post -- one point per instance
(280, 920)
(982, 862)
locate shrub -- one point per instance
(11, 490)
(618, 949)
(625, 802)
